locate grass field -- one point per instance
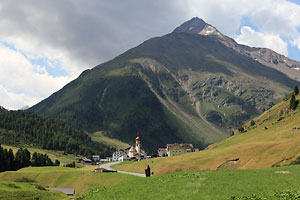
(79, 178)
(257, 148)
(99, 137)
(64, 159)
(205, 185)
(27, 191)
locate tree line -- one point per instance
(25, 127)
(11, 162)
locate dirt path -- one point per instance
(108, 167)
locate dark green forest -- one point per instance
(23, 127)
(11, 162)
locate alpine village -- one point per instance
(192, 114)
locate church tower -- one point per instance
(138, 146)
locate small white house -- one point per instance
(123, 158)
(96, 158)
(117, 155)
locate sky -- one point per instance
(46, 44)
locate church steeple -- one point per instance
(138, 146)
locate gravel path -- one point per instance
(108, 167)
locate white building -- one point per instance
(117, 155)
(96, 158)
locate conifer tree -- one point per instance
(293, 103)
(296, 90)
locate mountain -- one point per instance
(269, 140)
(194, 85)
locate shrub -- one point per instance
(280, 118)
(241, 129)
(252, 123)
(24, 180)
(71, 165)
(296, 162)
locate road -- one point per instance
(108, 167)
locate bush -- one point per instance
(56, 163)
(252, 123)
(241, 129)
(24, 180)
(280, 118)
(71, 165)
(296, 162)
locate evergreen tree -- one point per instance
(296, 90)
(293, 103)
(56, 163)
(34, 160)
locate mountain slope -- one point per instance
(272, 141)
(181, 87)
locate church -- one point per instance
(136, 151)
(133, 152)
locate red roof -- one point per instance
(162, 149)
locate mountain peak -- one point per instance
(196, 26)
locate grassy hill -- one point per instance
(114, 143)
(53, 155)
(272, 141)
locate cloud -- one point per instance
(22, 83)
(84, 33)
(257, 39)
(296, 42)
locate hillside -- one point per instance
(185, 86)
(24, 128)
(272, 141)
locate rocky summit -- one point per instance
(194, 85)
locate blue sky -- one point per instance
(46, 44)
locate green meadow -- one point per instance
(81, 179)
(27, 191)
(270, 183)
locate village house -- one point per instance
(85, 161)
(96, 158)
(162, 152)
(176, 149)
(118, 154)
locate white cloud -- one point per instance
(22, 83)
(257, 39)
(296, 42)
